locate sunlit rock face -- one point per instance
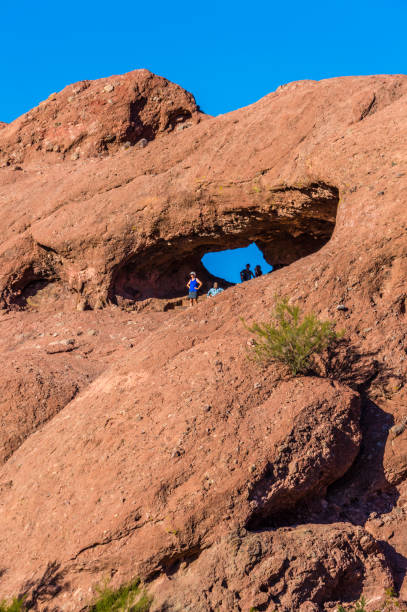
(138, 183)
(145, 442)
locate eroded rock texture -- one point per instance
(144, 442)
(296, 569)
(92, 118)
(33, 390)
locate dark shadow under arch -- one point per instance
(296, 225)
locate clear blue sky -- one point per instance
(228, 53)
(227, 264)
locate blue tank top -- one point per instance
(193, 285)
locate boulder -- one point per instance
(146, 484)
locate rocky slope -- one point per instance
(140, 440)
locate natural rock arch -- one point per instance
(298, 222)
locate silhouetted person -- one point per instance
(257, 271)
(246, 274)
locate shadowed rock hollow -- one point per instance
(146, 443)
(294, 223)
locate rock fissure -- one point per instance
(114, 538)
(368, 110)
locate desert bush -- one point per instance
(292, 338)
(17, 605)
(359, 607)
(390, 604)
(126, 598)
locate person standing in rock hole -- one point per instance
(258, 271)
(194, 284)
(246, 274)
(214, 291)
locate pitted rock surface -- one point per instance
(296, 569)
(33, 388)
(94, 118)
(162, 500)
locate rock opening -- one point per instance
(297, 222)
(227, 263)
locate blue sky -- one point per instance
(229, 54)
(228, 264)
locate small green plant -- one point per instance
(15, 606)
(121, 600)
(359, 606)
(292, 338)
(391, 602)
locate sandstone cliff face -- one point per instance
(144, 443)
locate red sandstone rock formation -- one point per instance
(93, 118)
(36, 388)
(221, 485)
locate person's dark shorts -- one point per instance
(193, 295)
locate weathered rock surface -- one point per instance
(297, 569)
(131, 225)
(158, 491)
(178, 459)
(93, 118)
(32, 390)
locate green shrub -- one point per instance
(359, 607)
(15, 606)
(391, 603)
(292, 338)
(125, 598)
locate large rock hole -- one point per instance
(297, 221)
